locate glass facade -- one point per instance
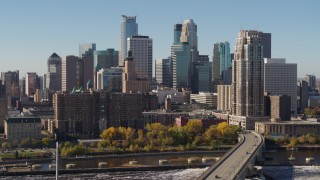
(141, 48)
(180, 54)
(221, 60)
(163, 72)
(110, 79)
(202, 77)
(86, 48)
(129, 28)
(105, 59)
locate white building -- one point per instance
(21, 127)
(141, 48)
(280, 78)
(163, 92)
(205, 98)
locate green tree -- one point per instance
(75, 150)
(213, 144)
(5, 145)
(193, 128)
(46, 141)
(103, 144)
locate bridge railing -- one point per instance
(222, 159)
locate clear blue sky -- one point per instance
(32, 30)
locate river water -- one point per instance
(271, 172)
(298, 169)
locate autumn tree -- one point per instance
(109, 134)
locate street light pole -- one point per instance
(57, 157)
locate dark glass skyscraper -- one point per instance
(53, 76)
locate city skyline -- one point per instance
(33, 31)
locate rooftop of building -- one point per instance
(54, 55)
(23, 119)
(292, 122)
(163, 112)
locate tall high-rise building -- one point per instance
(141, 48)
(280, 78)
(105, 59)
(201, 77)
(2, 89)
(22, 86)
(53, 76)
(311, 80)
(189, 35)
(247, 76)
(72, 75)
(129, 27)
(221, 62)
(130, 80)
(266, 42)
(3, 111)
(32, 83)
(163, 71)
(302, 96)
(177, 33)
(10, 80)
(181, 65)
(86, 48)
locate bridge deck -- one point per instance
(233, 163)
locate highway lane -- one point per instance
(233, 164)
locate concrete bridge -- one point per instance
(239, 161)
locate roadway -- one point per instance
(233, 164)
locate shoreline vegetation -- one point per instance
(153, 138)
(157, 138)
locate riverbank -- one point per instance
(131, 155)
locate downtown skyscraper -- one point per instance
(53, 76)
(221, 62)
(280, 78)
(248, 75)
(129, 28)
(189, 35)
(10, 80)
(141, 48)
(184, 51)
